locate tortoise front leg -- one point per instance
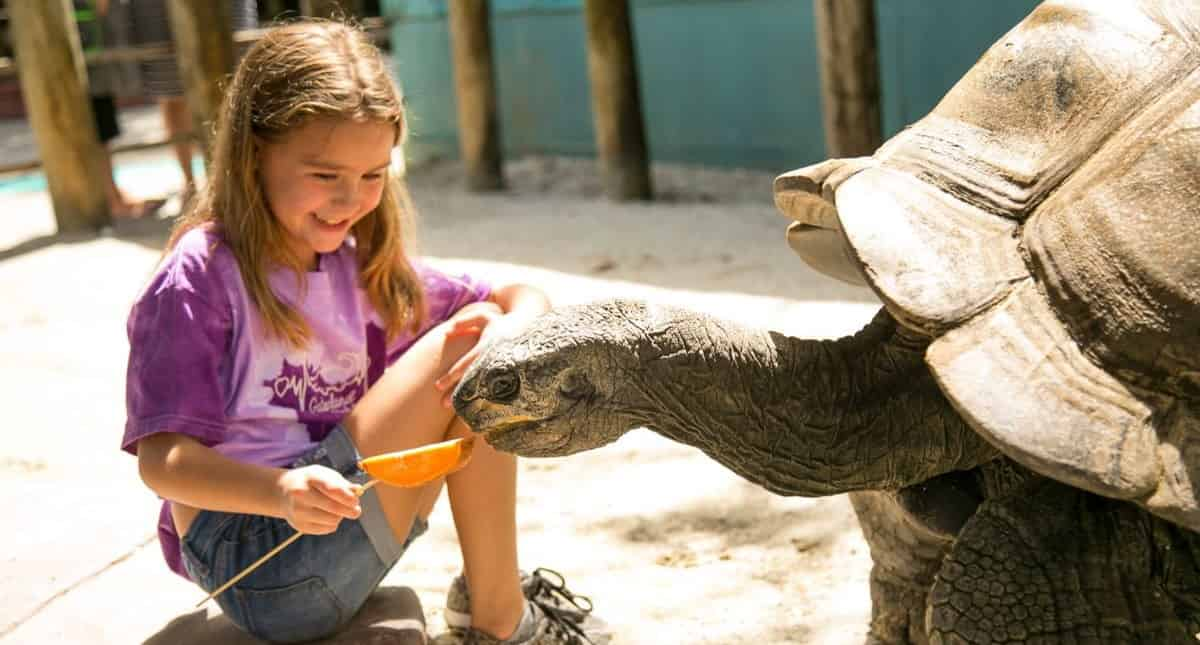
(1054, 564)
(906, 558)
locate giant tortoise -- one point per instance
(1018, 424)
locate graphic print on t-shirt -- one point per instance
(313, 389)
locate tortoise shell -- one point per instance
(1042, 225)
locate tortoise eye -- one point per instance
(503, 385)
(575, 384)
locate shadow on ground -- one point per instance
(708, 229)
(150, 232)
(392, 616)
(731, 523)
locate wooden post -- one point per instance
(475, 94)
(846, 48)
(616, 100)
(54, 86)
(202, 31)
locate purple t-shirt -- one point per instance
(201, 363)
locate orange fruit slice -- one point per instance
(419, 466)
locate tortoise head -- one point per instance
(559, 388)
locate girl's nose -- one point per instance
(345, 193)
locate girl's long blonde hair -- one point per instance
(296, 73)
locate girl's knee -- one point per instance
(469, 314)
(458, 345)
(453, 346)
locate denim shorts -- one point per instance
(315, 585)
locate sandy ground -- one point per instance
(671, 547)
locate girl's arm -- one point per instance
(312, 499)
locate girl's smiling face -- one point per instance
(322, 177)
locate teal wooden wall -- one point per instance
(724, 82)
(925, 46)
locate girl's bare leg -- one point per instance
(403, 410)
(483, 499)
(118, 204)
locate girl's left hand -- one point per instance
(488, 323)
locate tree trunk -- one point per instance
(846, 48)
(475, 95)
(204, 49)
(616, 101)
(54, 87)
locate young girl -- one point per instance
(286, 334)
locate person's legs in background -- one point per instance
(104, 110)
(177, 122)
(160, 77)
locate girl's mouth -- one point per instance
(331, 224)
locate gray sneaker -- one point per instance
(547, 626)
(544, 586)
(559, 613)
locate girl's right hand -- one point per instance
(315, 499)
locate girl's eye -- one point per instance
(324, 176)
(375, 176)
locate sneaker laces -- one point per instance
(549, 590)
(566, 624)
(560, 623)
(563, 609)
